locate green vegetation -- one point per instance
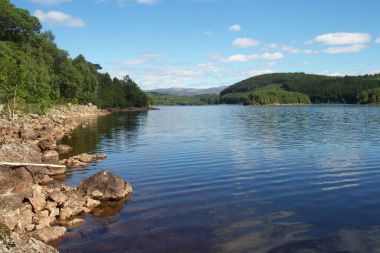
(170, 99)
(35, 73)
(319, 88)
(371, 96)
(273, 94)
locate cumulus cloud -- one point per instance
(343, 38)
(59, 18)
(378, 41)
(234, 28)
(345, 49)
(249, 57)
(245, 42)
(49, 2)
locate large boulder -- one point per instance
(20, 153)
(50, 156)
(105, 185)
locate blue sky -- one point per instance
(207, 43)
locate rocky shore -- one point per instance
(35, 209)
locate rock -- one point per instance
(18, 180)
(58, 197)
(11, 242)
(24, 219)
(50, 156)
(20, 153)
(56, 171)
(75, 222)
(63, 149)
(45, 222)
(49, 234)
(10, 209)
(105, 186)
(84, 158)
(99, 157)
(46, 180)
(37, 201)
(28, 133)
(92, 203)
(47, 144)
(73, 205)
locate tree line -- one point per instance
(319, 88)
(35, 73)
(173, 99)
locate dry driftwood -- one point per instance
(33, 164)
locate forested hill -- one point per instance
(318, 88)
(35, 73)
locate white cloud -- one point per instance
(255, 72)
(143, 59)
(289, 49)
(345, 49)
(329, 73)
(49, 2)
(249, 57)
(234, 28)
(245, 42)
(343, 38)
(59, 18)
(378, 41)
(310, 51)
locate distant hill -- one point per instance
(188, 91)
(318, 88)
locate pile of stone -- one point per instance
(34, 208)
(83, 160)
(42, 212)
(73, 110)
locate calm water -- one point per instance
(236, 179)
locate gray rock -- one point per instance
(73, 205)
(63, 149)
(11, 242)
(10, 208)
(38, 201)
(18, 180)
(28, 133)
(21, 153)
(50, 156)
(105, 186)
(58, 197)
(49, 234)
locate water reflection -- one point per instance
(116, 130)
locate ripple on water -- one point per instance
(236, 179)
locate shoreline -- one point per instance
(35, 208)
